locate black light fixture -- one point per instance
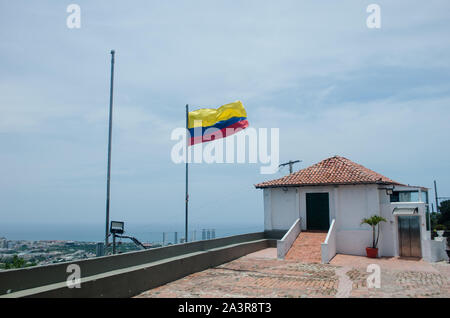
(389, 191)
(117, 227)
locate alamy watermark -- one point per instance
(374, 279)
(73, 21)
(74, 279)
(248, 145)
(374, 19)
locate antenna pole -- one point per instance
(290, 163)
(436, 196)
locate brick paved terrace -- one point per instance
(307, 247)
(260, 274)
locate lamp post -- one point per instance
(108, 178)
(117, 227)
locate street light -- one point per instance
(117, 227)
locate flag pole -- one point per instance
(108, 178)
(187, 174)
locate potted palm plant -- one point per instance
(373, 221)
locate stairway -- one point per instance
(307, 247)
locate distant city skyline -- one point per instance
(379, 97)
(94, 233)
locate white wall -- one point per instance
(434, 251)
(280, 208)
(388, 243)
(349, 204)
(352, 204)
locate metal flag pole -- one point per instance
(108, 179)
(187, 175)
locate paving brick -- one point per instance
(262, 275)
(307, 247)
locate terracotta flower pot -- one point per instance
(372, 252)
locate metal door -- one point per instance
(317, 211)
(409, 236)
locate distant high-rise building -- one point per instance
(3, 242)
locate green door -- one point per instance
(317, 211)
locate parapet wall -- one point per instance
(128, 274)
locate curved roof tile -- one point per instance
(332, 171)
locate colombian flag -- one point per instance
(204, 124)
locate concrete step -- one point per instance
(307, 247)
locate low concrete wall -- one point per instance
(434, 250)
(288, 239)
(274, 234)
(128, 274)
(328, 248)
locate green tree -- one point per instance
(444, 215)
(434, 217)
(373, 221)
(15, 262)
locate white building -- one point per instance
(3, 243)
(335, 194)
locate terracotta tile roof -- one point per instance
(335, 170)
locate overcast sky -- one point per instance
(380, 97)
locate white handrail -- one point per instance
(329, 231)
(328, 247)
(288, 239)
(290, 229)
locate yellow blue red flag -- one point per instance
(208, 124)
